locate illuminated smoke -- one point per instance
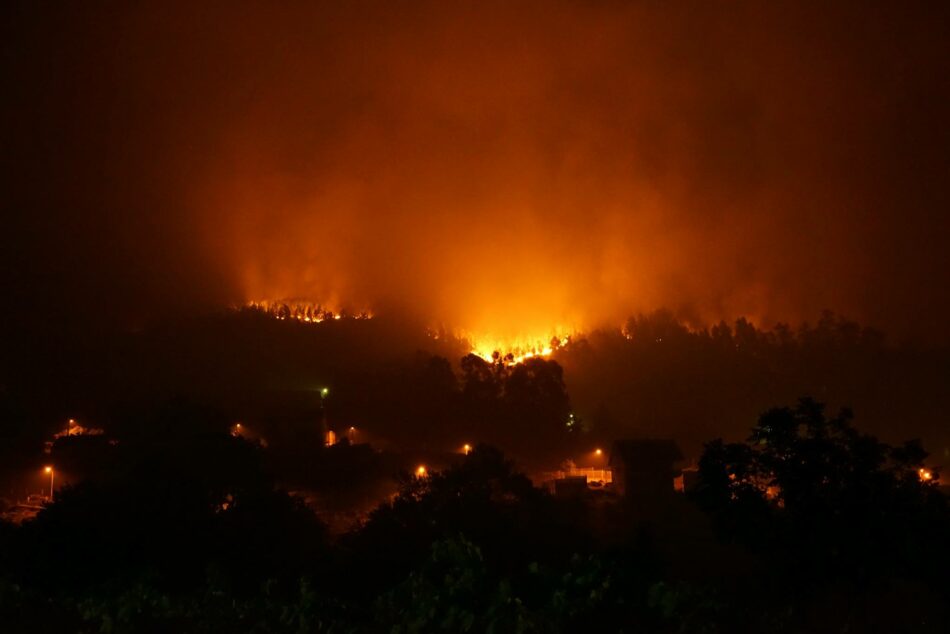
(513, 171)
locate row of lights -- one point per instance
(421, 471)
(925, 475)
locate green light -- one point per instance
(324, 392)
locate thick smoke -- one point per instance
(506, 168)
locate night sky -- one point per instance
(508, 167)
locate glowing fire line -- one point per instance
(297, 310)
(513, 353)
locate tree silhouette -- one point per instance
(825, 500)
(483, 498)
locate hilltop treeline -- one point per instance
(659, 377)
(654, 377)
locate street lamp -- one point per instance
(421, 471)
(49, 470)
(328, 436)
(466, 449)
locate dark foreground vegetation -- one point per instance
(809, 526)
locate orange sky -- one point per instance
(506, 168)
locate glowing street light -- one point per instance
(328, 434)
(599, 452)
(421, 471)
(466, 449)
(926, 475)
(52, 474)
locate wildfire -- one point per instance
(510, 351)
(516, 351)
(513, 355)
(304, 311)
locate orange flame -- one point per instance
(517, 350)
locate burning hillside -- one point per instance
(516, 351)
(490, 347)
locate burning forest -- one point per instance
(508, 351)
(474, 317)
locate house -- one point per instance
(644, 469)
(571, 486)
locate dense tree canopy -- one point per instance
(825, 499)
